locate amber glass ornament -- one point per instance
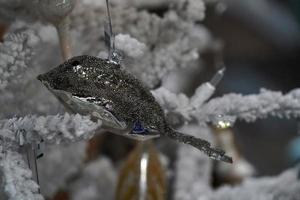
(142, 176)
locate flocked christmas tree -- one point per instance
(149, 47)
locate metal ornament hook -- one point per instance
(109, 37)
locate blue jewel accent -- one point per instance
(138, 128)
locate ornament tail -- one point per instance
(202, 145)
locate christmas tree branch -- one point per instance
(51, 129)
(17, 177)
(284, 186)
(244, 107)
(15, 52)
(252, 107)
(191, 169)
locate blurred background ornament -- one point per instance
(240, 169)
(54, 11)
(57, 13)
(221, 121)
(142, 176)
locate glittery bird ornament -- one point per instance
(93, 86)
(104, 90)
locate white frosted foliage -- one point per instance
(252, 107)
(17, 177)
(54, 178)
(131, 46)
(236, 106)
(155, 46)
(193, 169)
(284, 187)
(192, 9)
(15, 53)
(52, 129)
(98, 181)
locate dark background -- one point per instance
(256, 59)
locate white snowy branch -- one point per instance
(172, 41)
(15, 52)
(284, 186)
(17, 177)
(252, 107)
(52, 129)
(193, 172)
(32, 129)
(243, 107)
(59, 164)
(131, 46)
(98, 181)
(170, 101)
(191, 9)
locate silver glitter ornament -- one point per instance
(92, 86)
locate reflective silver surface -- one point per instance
(143, 176)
